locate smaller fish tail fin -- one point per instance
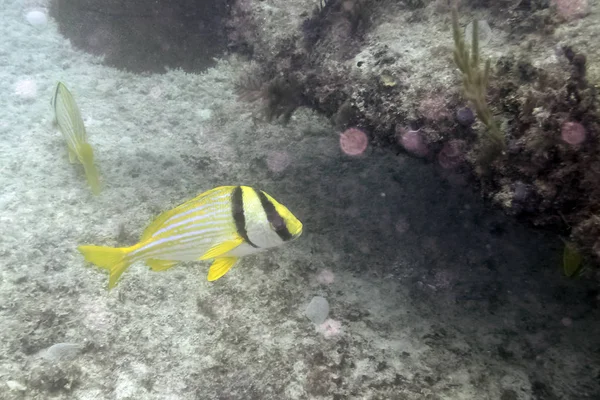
(91, 173)
(72, 155)
(110, 258)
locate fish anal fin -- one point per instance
(160, 265)
(220, 267)
(222, 248)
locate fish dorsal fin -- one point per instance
(220, 267)
(162, 218)
(222, 248)
(157, 223)
(160, 265)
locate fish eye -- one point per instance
(277, 223)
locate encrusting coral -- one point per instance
(539, 159)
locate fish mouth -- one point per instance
(297, 230)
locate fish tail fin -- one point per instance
(110, 258)
(91, 173)
(72, 155)
(92, 177)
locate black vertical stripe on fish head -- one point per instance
(237, 210)
(273, 216)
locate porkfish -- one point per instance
(69, 121)
(222, 224)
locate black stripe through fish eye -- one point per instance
(273, 216)
(277, 222)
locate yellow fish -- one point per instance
(221, 224)
(70, 123)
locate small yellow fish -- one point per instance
(70, 123)
(221, 224)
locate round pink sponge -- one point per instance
(412, 141)
(353, 141)
(572, 133)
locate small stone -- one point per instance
(484, 30)
(125, 141)
(204, 114)
(521, 191)
(330, 328)
(278, 161)
(325, 277)
(16, 386)
(465, 116)
(317, 310)
(61, 351)
(37, 18)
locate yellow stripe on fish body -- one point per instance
(71, 125)
(221, 224)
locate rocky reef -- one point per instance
(387, 67)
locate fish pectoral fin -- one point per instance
(160, 265)
(222, 248)
(220, 267)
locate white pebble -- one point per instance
(485, 32)
(37, 18)
(125, 141)
(317, 310)
(14, 385)
(204, 114)
(26, 89)
(61, 351)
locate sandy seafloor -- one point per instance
(437, 297)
